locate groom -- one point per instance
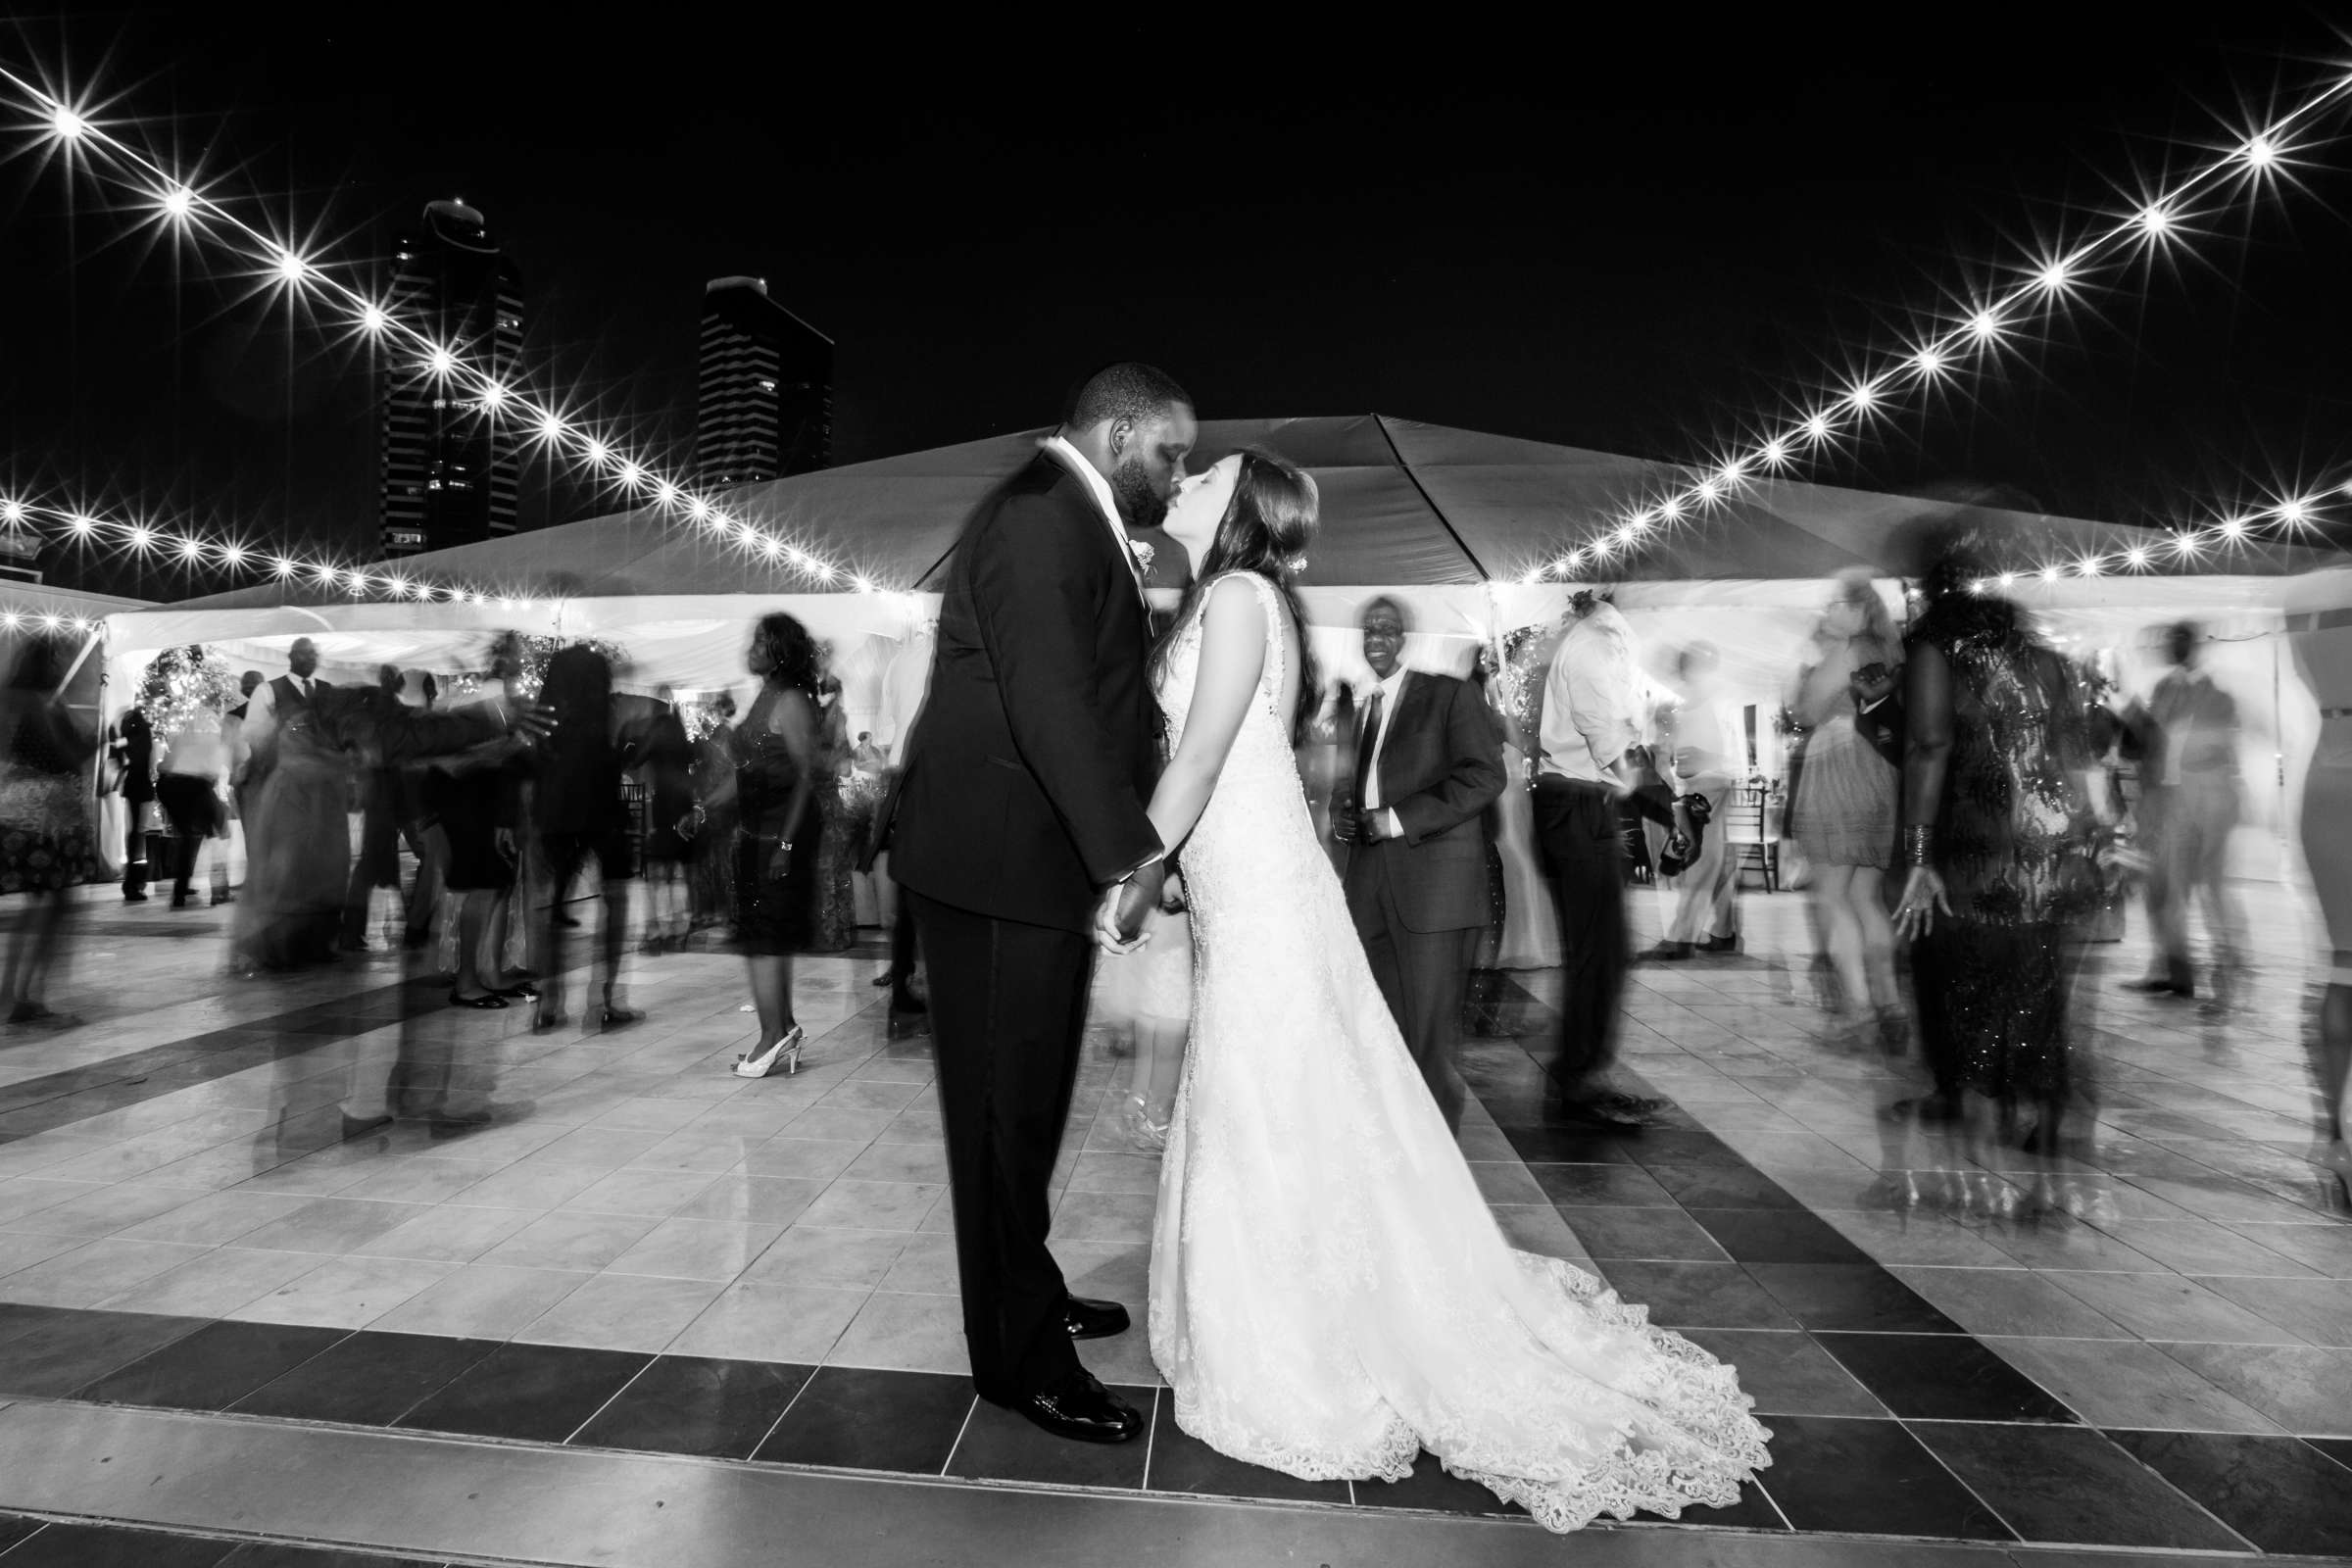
(1021, 806)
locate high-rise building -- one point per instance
(450, 471)
(765, 404)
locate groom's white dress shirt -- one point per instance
(1104, 502)
(1390, 690)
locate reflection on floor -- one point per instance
(2149, 1347)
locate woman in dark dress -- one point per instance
(837, 834)
(2000, 832)
(777, 755)
(477, 798)
(46, 845)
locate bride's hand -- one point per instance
(1923, 896)
(1105, 930)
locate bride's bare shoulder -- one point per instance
(1232, 606)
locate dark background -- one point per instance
(1633, 235)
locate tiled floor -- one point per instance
(2151, 1348)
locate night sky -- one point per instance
(1630, 239)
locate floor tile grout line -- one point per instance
(789, 1405)
(612, 1397)
(947, 1464)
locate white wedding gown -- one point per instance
(1330, 1294)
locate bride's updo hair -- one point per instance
(1266, 529)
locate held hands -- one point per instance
(1923, 896)
(779, 865)
(1119, 915)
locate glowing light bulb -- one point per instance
(2185, 546)
(2136, 557)
(292, 267)
(177, 202)
(1626, 535)
(2054, 275)
(666, 493)
(551, 427)
(2008, 580)
(861, 585)
(373, 320)
(51, 622)
(282, 567)
(825, 572)
(1927, 362)
(2294, 509)
(631, 475)
(65, 124)
(1984, 326)
(2049, 574)
(2154, 219)
(2089, 566)
(1775, 453)
(11, 511)
(1574, 561)
(234, 555)
(139, 537)
(1708, 490)
(494, 395)
(698, 508)
(1863, 397)
(82, 525)
(2232, 528)
(191, 549)
(1671, 508)
(441, 362)
(1817, 428)
(2260, 151)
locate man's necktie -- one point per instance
(1366, 744)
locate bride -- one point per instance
(1330, 1294)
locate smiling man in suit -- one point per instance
(1020, 808)
(1428, 764)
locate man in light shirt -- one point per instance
(1592, 712)
(2189, 802)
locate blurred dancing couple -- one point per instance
(1329, 1295)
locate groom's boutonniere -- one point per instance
(1143, 555)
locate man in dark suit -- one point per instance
(1428, 764)
(1020, 811)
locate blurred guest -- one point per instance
(377, 865)
(2322, 646)
(1146, 995)
(297, 831)
(778, 751)
(1531, 932)
(191, 786)
(2189, 800)
(671, 844)
(1428, 764)
(836, 838)
(866, 757)
(1999, 832)
(131, 750)
(1845, 807)
(475, 798)
(1593, 708)
(713, 871)
(1482, 1000)
(46, 845)
(580, 816)
(239, 753)
(1705, 747)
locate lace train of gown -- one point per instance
(1330, 1294)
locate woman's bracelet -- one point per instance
(1919, 845)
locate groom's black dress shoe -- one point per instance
(1092, 1320)
(1085, 1411)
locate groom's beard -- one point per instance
(1140, 504)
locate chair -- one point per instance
(1751, 826)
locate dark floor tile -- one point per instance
(113, 1546)
(1870, 1478)
(1939, 1377)
(1699, 1187)
(1753, 1511)
(2071, 1486)
(1680, 1296)
(67, 1351)
(17, 1319)
(1858, 1298)
(1430, 1490)
(693, 1404)
(277, 1554)
(2281, 1493)
(1776, 1236)
(1675, 1147)
(1180, 1462)
(1600, 1186)
(1566, 1145)
(1786, 1374)
(1000, 1446)
(371, 1379)
(535, 1393)
(2338, 1449)
(213, 1367)
(861, 1418)
(15, 1528)
(1657, 1235)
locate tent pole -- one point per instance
(1427, 501)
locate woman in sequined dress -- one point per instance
(2000, 831)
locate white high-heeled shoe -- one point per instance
(786, 1050)
(1141, 1129)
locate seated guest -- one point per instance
(1428, 764)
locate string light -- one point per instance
(302, 274)
(2047, 280)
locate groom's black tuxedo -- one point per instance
(1029, 768)
(1023, 794)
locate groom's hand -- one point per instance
(1138, 895)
